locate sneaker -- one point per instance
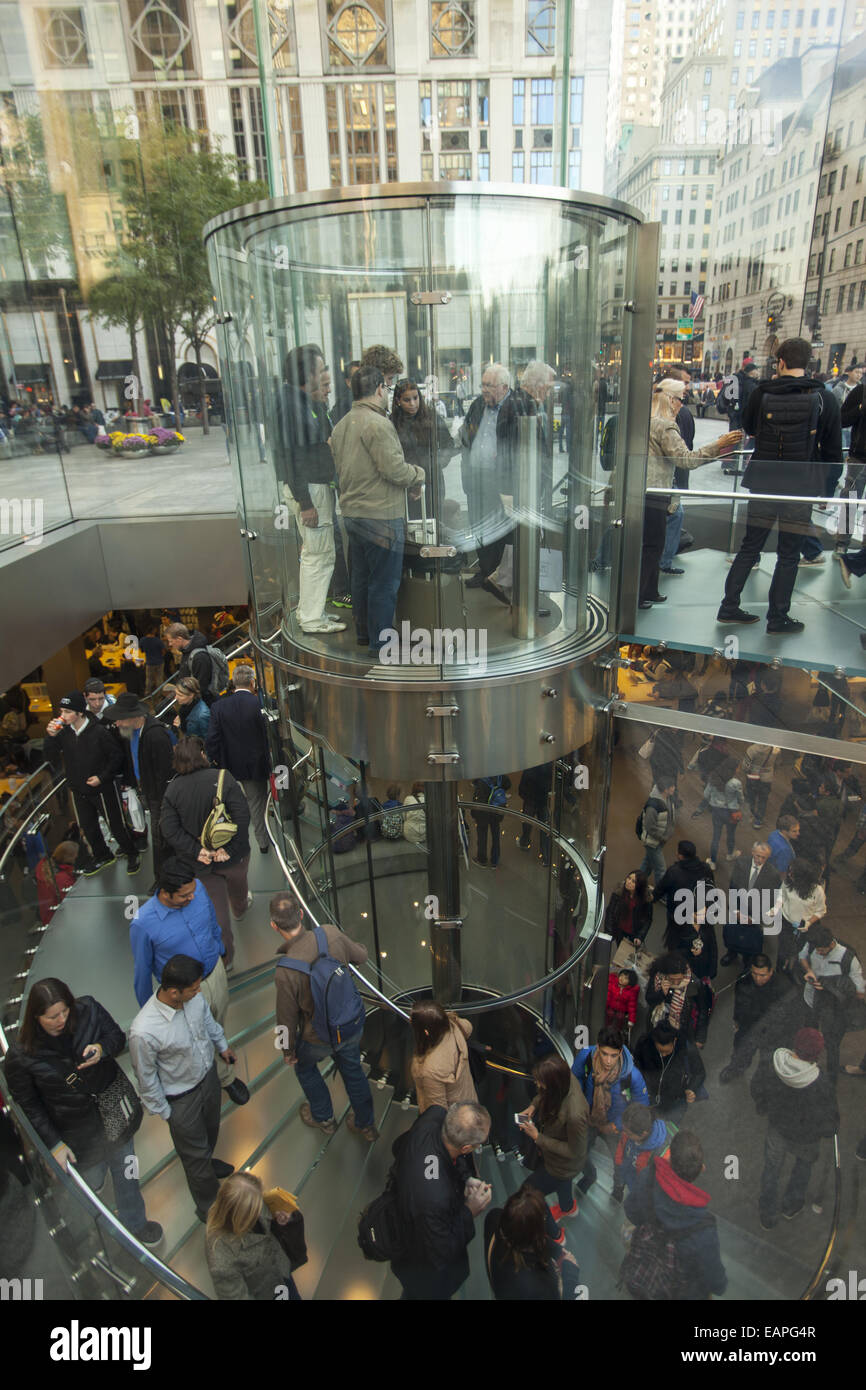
(853, 1071)
(368, 1132)
(559, 1215)
(818, 1208)
(756, 824)
(341, 601)
(789, 1215)
(711, 863)
(133, 863)
(325, 626)
(150, 1234)
(727, 1074)
(326, 1126)
(672, 569)
(95, 866)
(558, 1240)
(237, 1092)
(846, 573)
(736, 615)
(238, 915)
(483, 864)
(788, 625)
(735, 854)
(809, 564)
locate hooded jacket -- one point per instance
(681, 1208)
(797, 1098)
(629, 1080)
(668, 1078)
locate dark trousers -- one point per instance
(105, 802)
(226, 886)
(537, 808)
(745, 1047)
(793, 519)
(484, 824)
(160, 849)
(195, 1123)
(856, 561)
(546, 1183)
(655, 520)
(757, 796)
(490, 556)
(777, 1148)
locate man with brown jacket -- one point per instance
(373, 479)
(301, 1045)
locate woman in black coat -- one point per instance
(63, 1059)
(187, 803)
(629, 913)
(524, 1265)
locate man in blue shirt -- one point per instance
(787, 830)
(180, 920)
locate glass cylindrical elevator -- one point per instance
(483, 676)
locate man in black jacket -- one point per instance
(438, 1198)
(765, 1009)
(672, 1068)
(91, 758)
(148, 750)
(684, 875)
(795, 423)
(237, 740)
(744, 930)
(801, 1107)
(195, 659)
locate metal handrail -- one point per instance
(812, 1286)
(750, 496)
(34, 811)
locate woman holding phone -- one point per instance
(62, 1061)
(557, 1122)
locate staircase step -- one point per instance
(347, 1274)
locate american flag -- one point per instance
(697, 303)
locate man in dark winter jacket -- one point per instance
(195, 659)
(237, 740)
(765, 1009)
(787, 460)
(92, 757)
(801, 1107)
(673, 1070)
(439, 1198)
(148, 749)
(666, 1193)
(686, 872)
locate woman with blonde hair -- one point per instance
(668, 451)
(245, 1259)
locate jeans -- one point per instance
(804, 1152)
(127, 1193)
(546, 1182)
(653, 861)
(794, 519)
(376, 563)
(348, 1059)
(722, 821)
(673, 531)
(482, 826)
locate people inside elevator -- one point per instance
(667, 450)
(62, 1071)
(245, 1255)
(316, 1020)
(673, 1070)
(833, 982)
(374, 478)
(91, 757)
(629, 913)
(392, 819)
(798, 444)
(536, 386)
(305, 472)
(415, 820)
(440, 1064)
(438, 1198)
(172, 1042)
(523, 1264)
(676, 994)
(490, 437)
(199, 803)
(623, 990)
(685, 422)
(492, 793)
(385, 360)
(343, 399)
(556, 1123)
(180, 913)
(534, 790)
(666, 1195)
(654, 827)
(193, 715)
(148, 749)
(609, 1079)
(802, 903)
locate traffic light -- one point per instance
(771, 321)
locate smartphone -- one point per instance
(519, 1118)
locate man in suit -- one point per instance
(744, 930)
(237, 740)
(147, 752)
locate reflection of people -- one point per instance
(374, 477)
(489, 436)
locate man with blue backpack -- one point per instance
(321, 1014)
(492, 792)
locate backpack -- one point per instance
(218, 830)
(652, 801)
(392, 824)
(497, 795)
(608, 445)
(651, 1269)
(381, 1232)
(219, 674)
(842, 990)
(338, 1010)
(788, 426)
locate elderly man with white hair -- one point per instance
(489, 438)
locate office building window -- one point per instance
(363, 147)
(576, 105)
(453, 28)
(541, 166)
(63, 38)
(541, 101)
(358, 34)
(484, 167)
(574, 168)
(161, 38)
(518, 91)
(240, 36)
(540, 28)
(517, 166)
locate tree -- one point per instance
(39, 214)
(121, 300)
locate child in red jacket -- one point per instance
(622, 995)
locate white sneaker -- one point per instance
(736, 854)
(818, 560)
(326, 625)
(711, 863)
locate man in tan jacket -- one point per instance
(373, 479)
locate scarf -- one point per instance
(671, 1007)
(603, 1079)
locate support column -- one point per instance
(443, 884)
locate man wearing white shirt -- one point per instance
(824, 960)
(171, 1042)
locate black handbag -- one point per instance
(120, 1109)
